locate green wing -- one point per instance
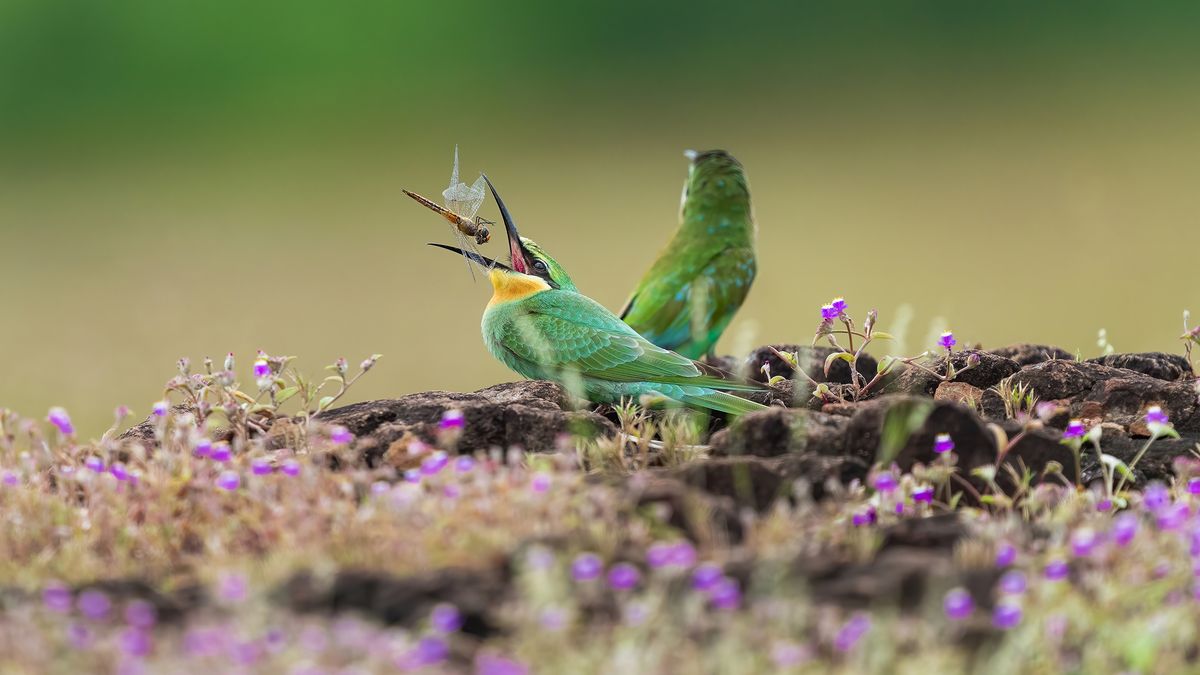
(561, 330)
(686, 305)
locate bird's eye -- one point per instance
(540, 267)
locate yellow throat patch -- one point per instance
(510, 286)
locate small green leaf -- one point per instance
(1114, 463)
(324, 403)
(880, 335)
(285, 394)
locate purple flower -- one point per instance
(453, 419)
(1154, 415)
(95, 464)
(1012, 582)
(434, 463)
(1075, 429)
(94, 604)
(160, 409)
(491, 664)
(445, 618)
(851, 632)
(221, 452)
(57, 597)
(658, 554)
(1006, 615)
(136, 642)
(1193, 485)
(1045, 410)
(10, 478)
(412, 475)
(118, 471)
(943, 443)
(59, 418)
(683, 554)
(261, 369)
(885, 481)
(706, 575)
(1006, 554)
(141, 614)
(864, 517)
(1124, 528)
(829, 313)
(623, 576)
(1104, 505)
(203, 448)
(290, 467)
(429, 651)
(725, 594)
(586, 566)
(958, 604)
(1083, 542)
(923, 494)
(947, 341)
(229, 480)
(261, 466)
(1155, 497)
(1056, 570)
(464, 464)
(340, 435)
(1173, 517)
(839, 305)
(540, 482)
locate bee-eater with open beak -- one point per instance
(541, 326)
(690, 293)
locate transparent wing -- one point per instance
(464, 199)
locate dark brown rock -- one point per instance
(1028, 354)
(1098, 393)
(530, 414)
(1159, 365)
(755, 482)
(811, 357)
(780, 431)
(403, 600)
(690, 510)
(988, 373)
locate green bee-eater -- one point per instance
(687, 297)
(541, 326)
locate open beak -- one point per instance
(516, 250)
(481, 260)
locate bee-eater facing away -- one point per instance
(687, 297)
(541, 326)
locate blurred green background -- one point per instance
(193, 178)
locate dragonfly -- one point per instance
(462, 203)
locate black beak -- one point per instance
(515, 247)
(483, 261)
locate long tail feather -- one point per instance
(722, 402)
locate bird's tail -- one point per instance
(722, 402)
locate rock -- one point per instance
(781, 394)
(1098, 393)
(1156, 464)
(1159, 365)
(959, 392)
(779, 431)
(692, 511)
(811, 357)
(988, 373)
(530, 414)
(755, 482)
(403, 600)
(915, 562)
(974, 443)
(1025, 354)
(1034, 449)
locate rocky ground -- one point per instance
(815, 518)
